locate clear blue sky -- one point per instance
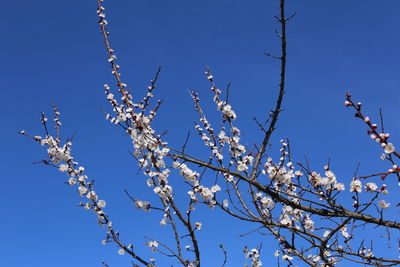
(52, 52)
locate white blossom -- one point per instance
(63, 167)
(72, 181)
(92, 195)
(389, 148)
(371, 187)
(215, 188)
(153, 245)
(355, 186)
(144, 205)
(344, 231)
(326, 233)
(82, 190)
(308, 223)
(198, 225)
(254, 255)
(267, 202)
(383, 204)
(101, 204)
(286, 258)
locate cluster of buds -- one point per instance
(381, 138)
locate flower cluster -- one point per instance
(60, 155)
(279, 174)
(254, 255)
(328, 182)
(185, 171)
(206, 193)
(266, 203)
(290, 216)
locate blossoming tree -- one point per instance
(301, 208)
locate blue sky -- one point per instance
(53, 53)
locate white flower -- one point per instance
(153, 245)
(285, 220)
(298, 173)
(110, 96)
(225, 202)
(192, 195)
(266, 202)
(326, 233)
(309, 224)
(157, 190)
(63, 167)
(82, 190)
(355, 186)
(221, 135)
(286, 258)
(87, 206)
(371, 187)
(383, 204)
(101, 204)
(241, 166)
(389, 148)
(205, 193)
(144, 205)
(255, 256)
(121, 251)
(198, 225)
(71, 181)
(215, 188)
(149, 182)
(92, 195)
(344, 231)
(339, 186)
(160, 163)
(227, 111)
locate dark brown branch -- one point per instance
(275, 114)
